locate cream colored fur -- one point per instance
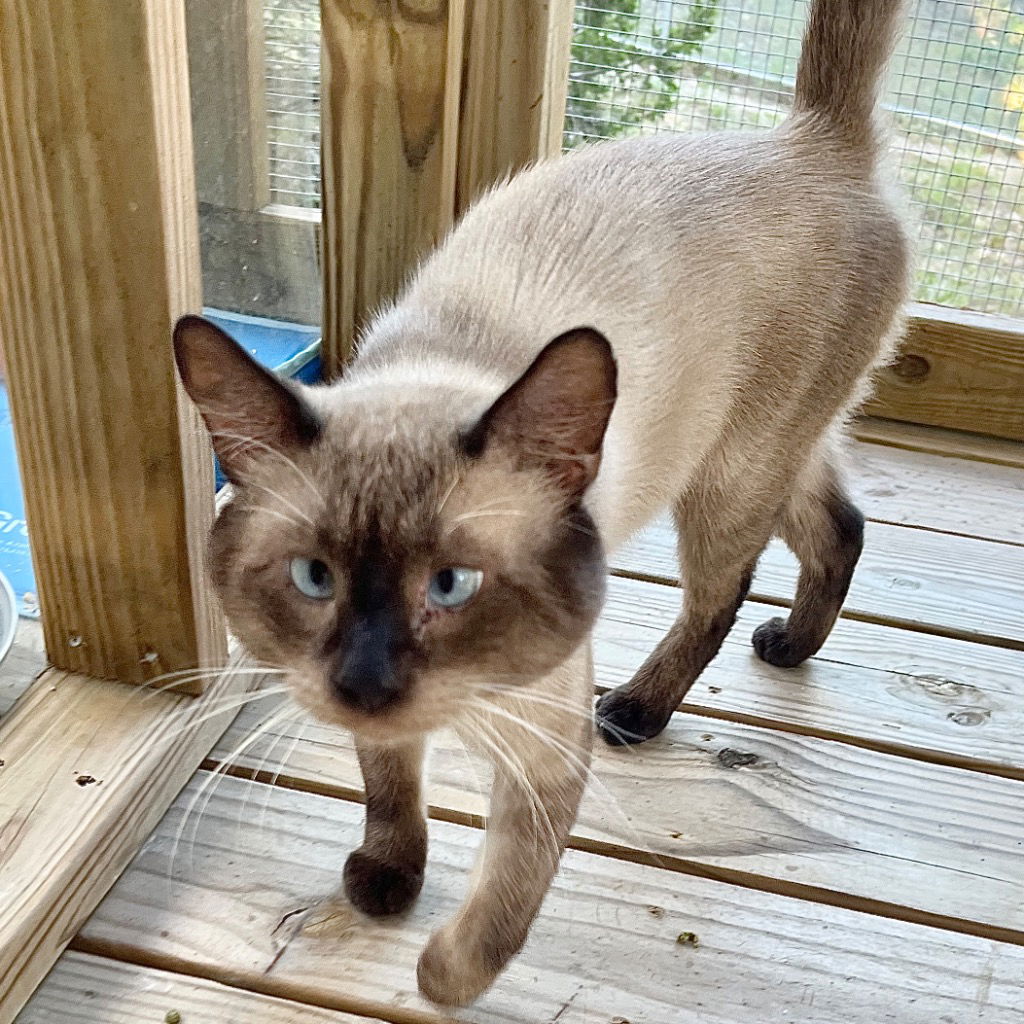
(749, 284)
(745, 281)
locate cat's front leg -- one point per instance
(385, 874)
(540, 744)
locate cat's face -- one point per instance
(398, 553)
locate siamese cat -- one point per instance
(665, 322)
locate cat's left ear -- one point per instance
(555, 416)
(248, 410)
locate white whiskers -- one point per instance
(241, 440)
(574, 756)
(209, 785)
(513, 767)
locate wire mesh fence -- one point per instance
(956, 93)
(293, 100)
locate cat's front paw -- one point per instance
(379, 888)
(623, 718)
(454, 972)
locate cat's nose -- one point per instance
(367, 677)
(365, 693)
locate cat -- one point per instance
(664, 322)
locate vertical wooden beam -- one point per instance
(515, 81)
(98, 256)
(390, 81)
(227, 68)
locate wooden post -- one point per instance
(98, 256)
(515, 81)
(229, 111)
(390, 83)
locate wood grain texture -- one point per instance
(265, 262)
(957, 369)
(926, 490)
(806, 816)
(925, 696)
(88, 768)
(935, 699)
(227, 68)
(953, 586)
(91, 990)
(514, 86)
(257, 910)
(98, 256)
(937, 440)
(390, 87)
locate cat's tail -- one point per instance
(846, 47)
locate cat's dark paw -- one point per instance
(772, 644)
(623, 719)
(378, 888)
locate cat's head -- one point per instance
(396, 548)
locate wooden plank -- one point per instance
(514, 88)
(89, 767)
(92, 990)
(958, 369)
(604, 947)
(929, 697)
(917, 438)
(390, 86)
(98, 256)
(953, 586)
(266, 263)
(808, 816)
(925, 490)
(227, 68)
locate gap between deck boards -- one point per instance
(944, 759)
(913, 437)
(893, 621)
(756, 945)
(944, 532)
(272, 986)
(682, 865)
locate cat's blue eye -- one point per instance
(312, 578)
(452, 588)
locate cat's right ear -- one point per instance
(248, 410)
(555, 416)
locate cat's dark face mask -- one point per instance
(400, 554)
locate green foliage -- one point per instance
(625, 65)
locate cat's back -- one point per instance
(688, 184)
(737, 216)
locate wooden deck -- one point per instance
(845, 840)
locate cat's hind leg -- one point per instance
(825, 530)
(720, 540)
